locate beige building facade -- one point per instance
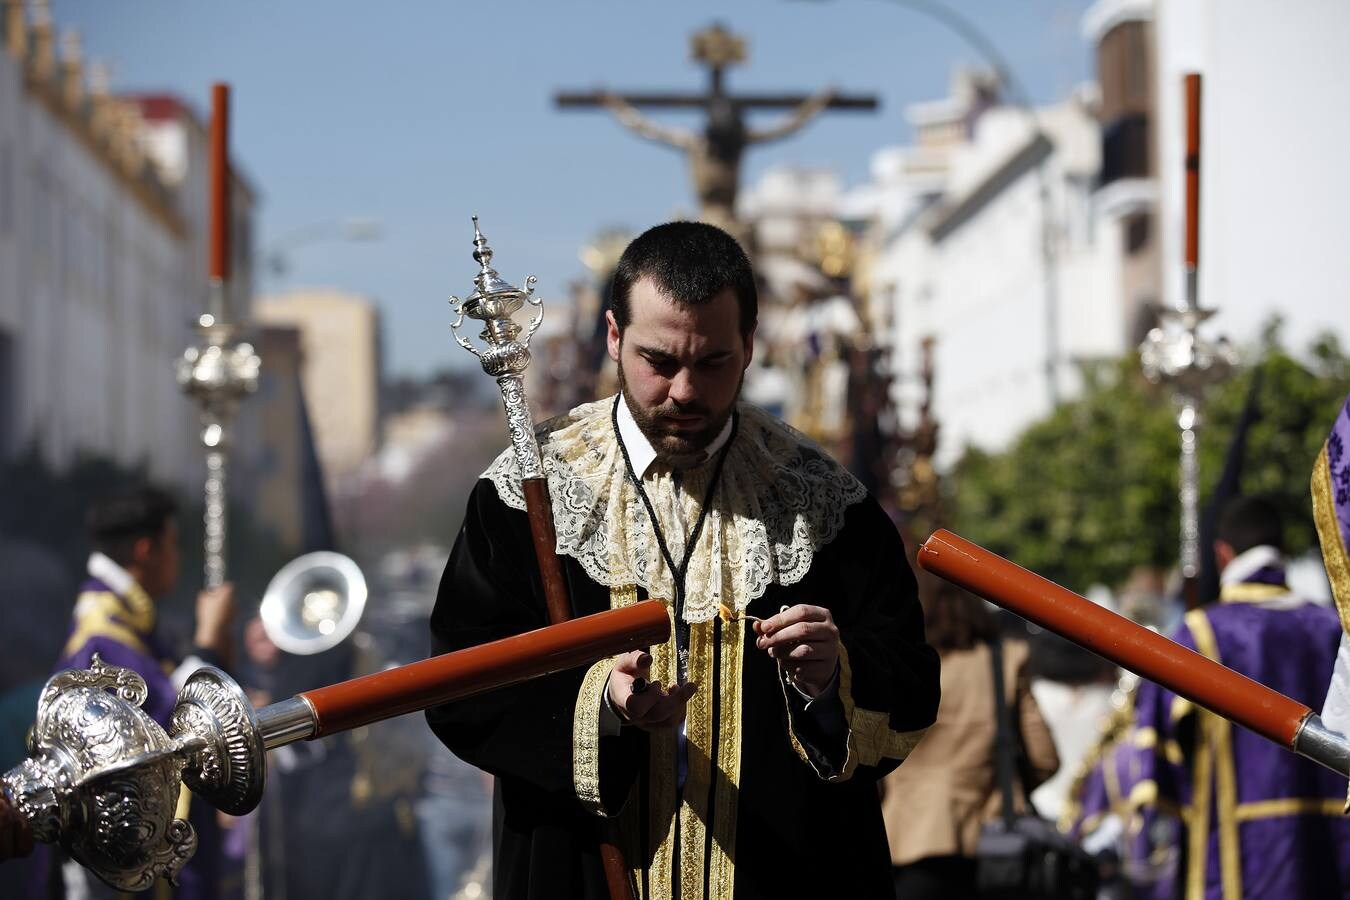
(340, 370)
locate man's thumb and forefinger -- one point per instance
(634, 664)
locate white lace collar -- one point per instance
(780, 499)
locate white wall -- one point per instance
(91, 289)
(980, 290)
(1275, 184)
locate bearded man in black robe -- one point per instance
(741, 757)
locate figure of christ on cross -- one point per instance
(715, 154)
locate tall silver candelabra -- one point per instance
(216, 374)
(1175, 354)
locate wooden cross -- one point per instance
(715, 154)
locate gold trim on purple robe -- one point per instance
(1335, 556)
(1146, 738)
(1214, 762)
(1252, 592)
(105, 614)
(1334, 553)
(1288, 806)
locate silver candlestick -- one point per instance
(216, 374)
(506, 354)
(1175, 354)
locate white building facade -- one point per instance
(1274, 188)
(340, 370)
(959, 226)
(957, 219)
(99, 271)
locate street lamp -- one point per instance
(349, 228)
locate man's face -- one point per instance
(1223, 554)
(680, 367)
(158, 561)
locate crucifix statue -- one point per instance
(715, 154)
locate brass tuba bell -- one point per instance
(313, 603)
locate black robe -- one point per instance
(796, 834)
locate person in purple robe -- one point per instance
(135, 564)
(1115, 811)
(1259, 820)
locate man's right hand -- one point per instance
(16, 839)
(215, 619)
(655, 707)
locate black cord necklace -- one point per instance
(678, 572)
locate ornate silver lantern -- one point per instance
(103, 778)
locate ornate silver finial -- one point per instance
(217, 374)
(493, 301)
(482, 253)
(506, 354)
(1175, 354)
(487, 283)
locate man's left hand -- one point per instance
(805, 640)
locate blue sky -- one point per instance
(420, 113)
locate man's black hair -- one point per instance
(691, 262)
(115, 522)
(1248, 522)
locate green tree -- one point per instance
(1089, 493)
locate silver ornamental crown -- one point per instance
(219, 372)
(1179, 356)
(493, 302)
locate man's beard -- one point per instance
(676, 447)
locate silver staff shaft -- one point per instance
(214, 518)
(216, 374)
(1317, 742)
(286, 722)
